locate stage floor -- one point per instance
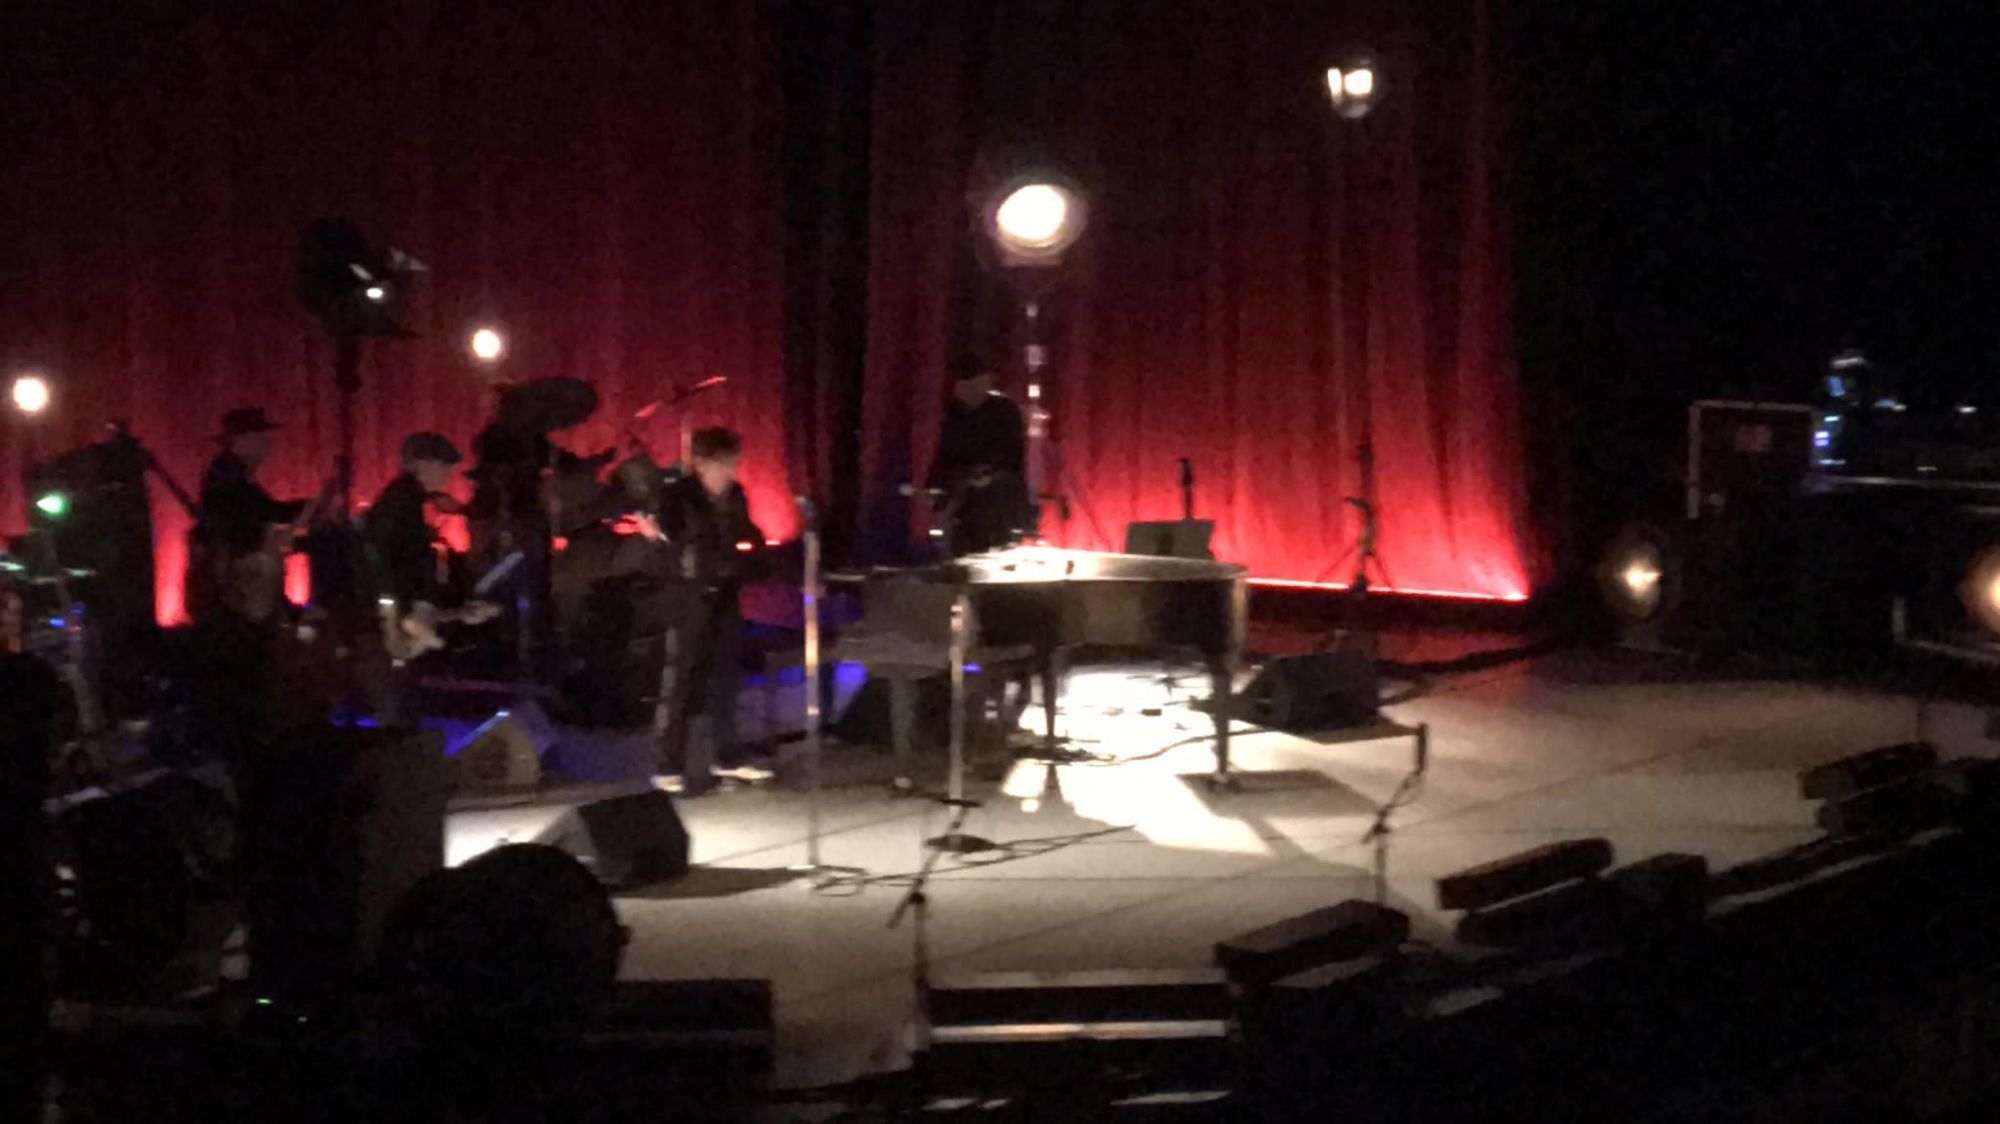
(1133, 864)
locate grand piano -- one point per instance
(1040, 603)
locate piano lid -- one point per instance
(1037, 565)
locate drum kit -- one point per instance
(589, 508)
(577, 498)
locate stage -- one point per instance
(1134, 864)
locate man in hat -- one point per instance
(401, 541)
(403, 558)
(978, 473)
(238, 517)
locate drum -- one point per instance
(639, 479)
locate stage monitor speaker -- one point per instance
(505, 753)
(336, 826)
(1179, 538)
(631, 840)
(1320, 691)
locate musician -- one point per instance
(237, 521)
(402, 543)
(713, 547)
(979, 469)
(509, 509)
(403, 559)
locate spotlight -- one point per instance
(1033, 220)
(31, 394)
(55, 505)
(1980, 591)
(1634, 576)
(488, 345)
(355, 287)
(1353, 86)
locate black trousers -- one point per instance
(701, 673)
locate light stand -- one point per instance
(346, 384)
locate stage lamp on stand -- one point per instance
(1354, 85)
(357, 290)
(1032, 221)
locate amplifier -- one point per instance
(1745, 447)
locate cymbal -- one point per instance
(550, 404)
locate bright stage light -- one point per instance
(1034, 217)
(1633, 576)
(1353, 87)
(376, 293)
(1034, 220)
(488, 345)
(1980, 591)
(55, 505)
(1641, 577)
(31, 394)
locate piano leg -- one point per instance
(1051, 669)
(1222, 681)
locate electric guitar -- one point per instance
(415, 633)
(253, 584)
(406, 636)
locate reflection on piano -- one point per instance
(1043, 602)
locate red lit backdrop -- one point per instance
(605, 187)
(1250, 261)
(600, 188)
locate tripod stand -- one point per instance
(1362, 549)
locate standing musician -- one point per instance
(243, 532)
(713, 545)
(403, 559)
(978, 475)
(248, 677)
(402, 543)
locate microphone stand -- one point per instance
(1380, 830)
(916, 902)
(814, 864)
(955, 840)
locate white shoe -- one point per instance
(669, 782)
(749, 774)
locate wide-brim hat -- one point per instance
(245, 420)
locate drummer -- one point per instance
(509, 509)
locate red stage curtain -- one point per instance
(1253, 273)
(596, 179)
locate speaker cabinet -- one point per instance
(1323, 690)
(631, 840)
(336, 826)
